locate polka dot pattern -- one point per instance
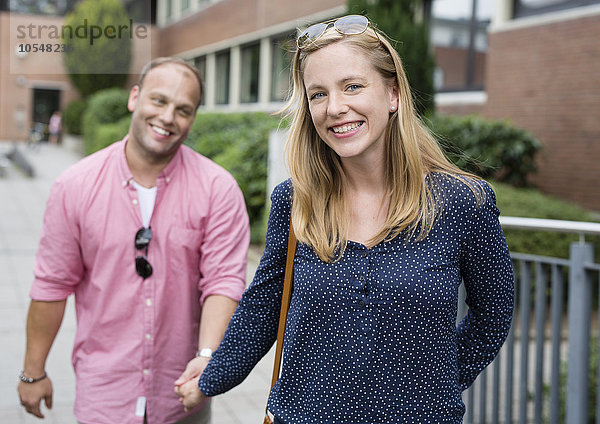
(373, 337)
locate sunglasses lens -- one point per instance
(352, 24)
(143, 267)
(142, 238)
(311, 34)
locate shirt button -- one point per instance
(134, 201)
(148, 336)
(148, 302)
(146, 372)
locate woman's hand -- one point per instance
(189, 394)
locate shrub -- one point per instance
(104, 107)
(73, 116)
(107, 134)
(239, 142)
(105, 62)
(531, 203)
(592, 385)
(490, 149)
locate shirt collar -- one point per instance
(166, 175)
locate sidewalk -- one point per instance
(22, 202)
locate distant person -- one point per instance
(55, 128)
(152, 239)
(388, 230)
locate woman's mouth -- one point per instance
(346, 128)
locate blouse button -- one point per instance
(361, 303)
(364, 254)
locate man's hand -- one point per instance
(189, 394)
(193, 369)
(186, 386)
(31, 395)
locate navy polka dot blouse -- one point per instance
(373, 337)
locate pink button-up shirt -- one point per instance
(134, 336)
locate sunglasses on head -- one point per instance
(346, 25)
(142, 240)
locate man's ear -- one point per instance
(133, 97)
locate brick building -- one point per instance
(35, 84)
(543, 74)
(242, 47)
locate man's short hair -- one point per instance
(155, 63)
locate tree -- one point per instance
(403, 22)
(97, 36)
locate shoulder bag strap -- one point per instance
(285, 305)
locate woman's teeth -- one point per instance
(346, 128)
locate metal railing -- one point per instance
(542, 373)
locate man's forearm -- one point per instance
(216, 313)
(43, 322)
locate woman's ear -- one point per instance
(393, 94)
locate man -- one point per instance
(152, 239)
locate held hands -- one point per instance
(189, 394)
(186, 386)
(31, 395)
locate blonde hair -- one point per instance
(320, 211)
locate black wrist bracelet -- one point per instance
(31, 380)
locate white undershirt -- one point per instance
(146, 197)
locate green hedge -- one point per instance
(531, 203)
(239, 142)
(104, 107)
(73, 117)
(490, 149)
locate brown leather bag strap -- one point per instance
(285, 301)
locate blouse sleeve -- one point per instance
(253, 327)
(489, 282)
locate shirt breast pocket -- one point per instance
(184, 250)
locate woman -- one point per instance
(387, 230)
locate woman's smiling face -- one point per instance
(349, 101)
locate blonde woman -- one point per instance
(388, 229)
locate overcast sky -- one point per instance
(462, 8)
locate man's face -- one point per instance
(163, 109)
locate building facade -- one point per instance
(244, 47)
(543, 74)
(34, 83)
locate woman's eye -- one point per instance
(317, 96)
(354, 87)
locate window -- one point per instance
(169, 11)
(200, 64)
(282, 53)
(250, 67)
(536, 7)
(185, 6)
(222, 78)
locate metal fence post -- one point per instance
(580, 304)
